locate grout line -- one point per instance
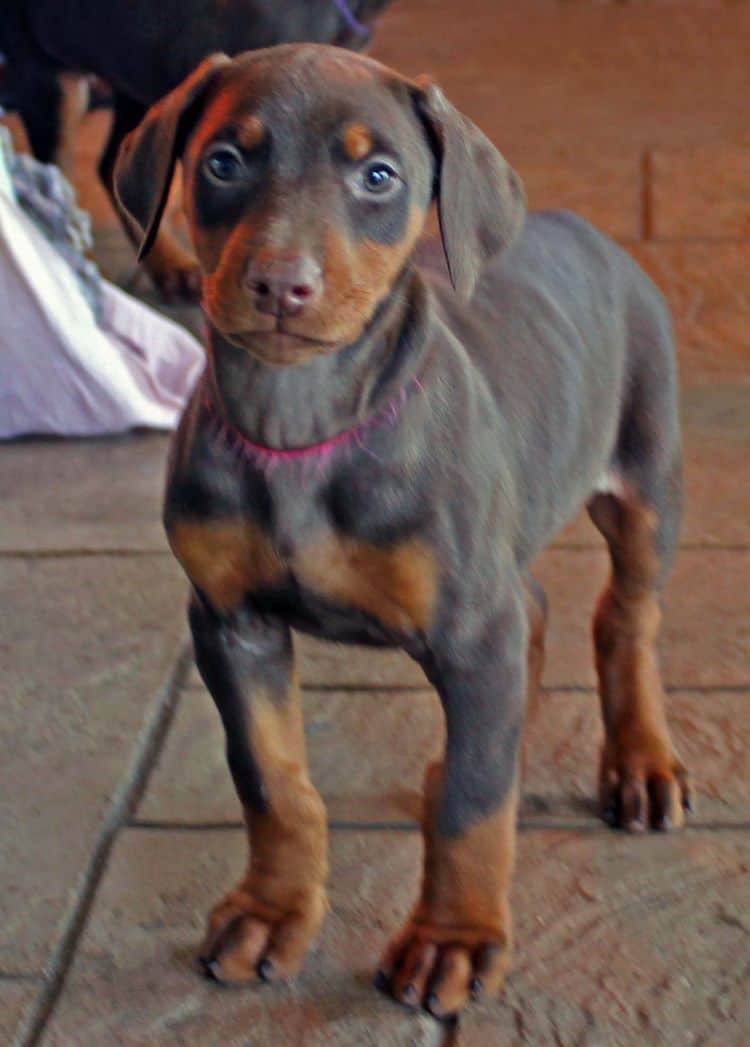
(165, 825)
(363, 689)
(336, 825)
(366, 690)
(698, 241)
(81, 553)
(569, 547)
(378, 688)
(124, 801)
(647, 200)
(683, 547)
(565, 823)
(26, 977)
(717, 689)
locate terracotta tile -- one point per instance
(86, 644)
(604, 188)
(701, 191)
(707, 287)
(537, 75)
(716, 427)
(709, 729)
(614, 935)
(134, 979)
(705, 637)
(625, 941)
(16, 997)
(84, 494)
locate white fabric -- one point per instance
(62, 374)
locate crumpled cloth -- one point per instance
(78, 357)
(47, 197)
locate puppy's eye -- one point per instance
(378, 177)
(224, 164)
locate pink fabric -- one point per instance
(61, 372)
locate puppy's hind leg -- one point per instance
(642, 782)
(536, 612)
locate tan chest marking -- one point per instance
(397, 585)
(228, 559)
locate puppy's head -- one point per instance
(308, 174)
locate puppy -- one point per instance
(376, 457)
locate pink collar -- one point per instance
(321, 453)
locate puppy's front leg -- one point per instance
(457, 941)
(265, 926)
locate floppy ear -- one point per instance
(147, 157)
(480, 198)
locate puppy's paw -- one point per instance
(642, 785)
(248, 939)
(442, 969)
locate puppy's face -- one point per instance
(308, 178)
(309, 172)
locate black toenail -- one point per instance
(211, 968)
(381, 981)
(433, 1005)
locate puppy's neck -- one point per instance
(298, 406)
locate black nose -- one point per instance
(284, 286)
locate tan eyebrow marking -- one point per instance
(250, 131)
(358, 141)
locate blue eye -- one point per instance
(378, 176)
(225, 164)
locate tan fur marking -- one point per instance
(397, 586)
(292, 824)
(628, 620)
(637, 743)
(280, 904)
(536, 610)
(225, 559)
(250, 131)
(461, 926)
(467, 878)
(358, 141)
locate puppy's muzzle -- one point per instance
(284, 286)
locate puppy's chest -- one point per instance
(312, 554)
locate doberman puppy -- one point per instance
(374, 456)
(144, 48)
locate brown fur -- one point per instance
(397, 585)
(460, 934)
(228, 559)
(250, 131)
(638, 753)
(280, 904)
(225, 559)
(357, 277)
(358, 141)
